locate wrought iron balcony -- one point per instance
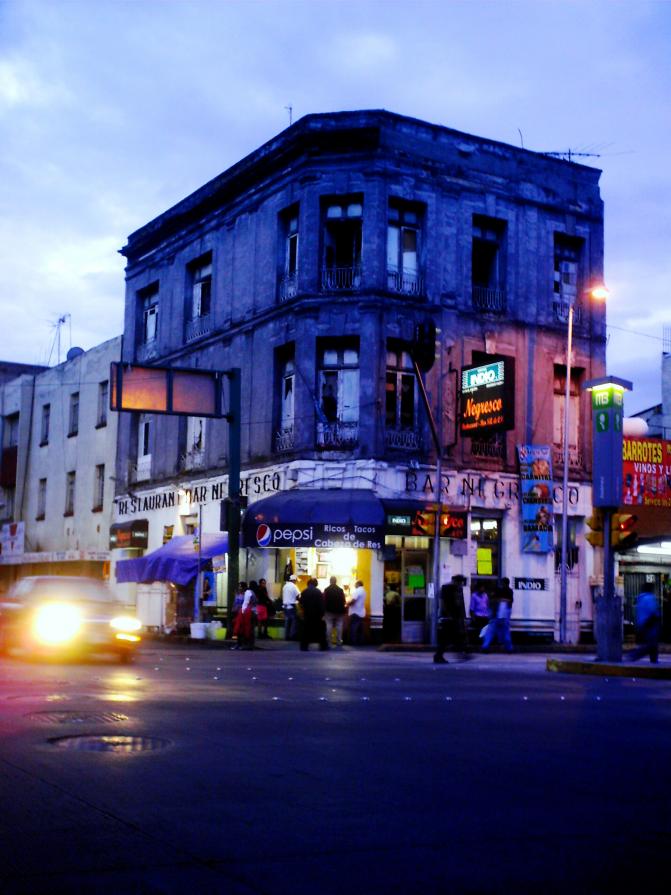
(147, 351)
(284, 440)
(402, 439)
(341, 279)
(198, 327)
(493, 301)
(337, 435)
(489, 448)
(576, 458)
(560, 309)
(406, 283)
(288, 286)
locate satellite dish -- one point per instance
(74, 352)
(634, 427)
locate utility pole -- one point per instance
(234, 433)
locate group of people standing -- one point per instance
(323, 614)
(489, 617)
(252, 608)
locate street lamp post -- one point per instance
(601, 293)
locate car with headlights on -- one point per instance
(66, 616)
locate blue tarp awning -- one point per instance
(176, 561)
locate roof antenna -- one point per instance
(521, 138)
(290, 110)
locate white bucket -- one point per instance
(198, 630)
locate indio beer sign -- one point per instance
(488, 397)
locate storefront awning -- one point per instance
(176, 561)
(314, 517)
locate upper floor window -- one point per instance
(488, 263)
(194, 455)
(338, 395)
(70, 481)
(341, 260)
(99, 488)
(148, 305)
(103, 400)
(144, 434)
(400, 404)
(289, 253)
(200, 286)
(286, 367)
(41, 499)
(73, 424)
(566, 284)
(558, 416)
(45, 423)
(403, 247)
(11, 431)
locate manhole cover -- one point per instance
(78, 717)
(104, 743)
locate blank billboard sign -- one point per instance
(171, 390)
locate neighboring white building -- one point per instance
(58, 460)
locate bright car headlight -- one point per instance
(57, 623)
(126, 623)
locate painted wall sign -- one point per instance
(646, 472)
(536, 484)
(487, 397)
(457, 488)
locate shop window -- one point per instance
(41, 499)
(73, 424)
(45, 424)
(99, 488)
(401, 428)
(148, 306)
(486, 533)
(284, 436)
(488, 264)
(70, 481)
(341, 262)
(403, 248)
(338, 396)
(566, 285)
(103, 400)
(288, 280)
(559, 401)
(573, 550)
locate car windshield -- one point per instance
(62, 588)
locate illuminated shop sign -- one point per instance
(320, 535)
(646, 472)
(488, 397)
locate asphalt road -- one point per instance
(350, 771)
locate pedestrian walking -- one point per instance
(648, 622)
(243, 627)
(356, 608)
(290, 594)
(499, 626)
(335, 610)
(479, 611)
(311, 601)
(451, 620)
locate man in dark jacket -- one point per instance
(311, 601)
(334, 604)
(452, 619)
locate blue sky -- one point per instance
(110, 112)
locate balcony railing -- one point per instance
(284, 440)
(337, 435)
(576, 458)
(194, 459)
(490, 449)
(198, 327)
(402, 439)
(288, 286)
(560, 308)
(341, 279)
(406, 283)
(493, 301)
(147, 350)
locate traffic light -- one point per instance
(424, 345)
(622, 531)
(595, 522)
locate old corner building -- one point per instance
(308, 265)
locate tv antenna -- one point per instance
(569, 154)
(62, 320)
(290, 110)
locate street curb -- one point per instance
(602, 669)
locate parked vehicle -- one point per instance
(51, 615)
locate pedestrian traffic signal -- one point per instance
(622, 531)
(424, 345)
(595, 522)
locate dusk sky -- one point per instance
(110, 112)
